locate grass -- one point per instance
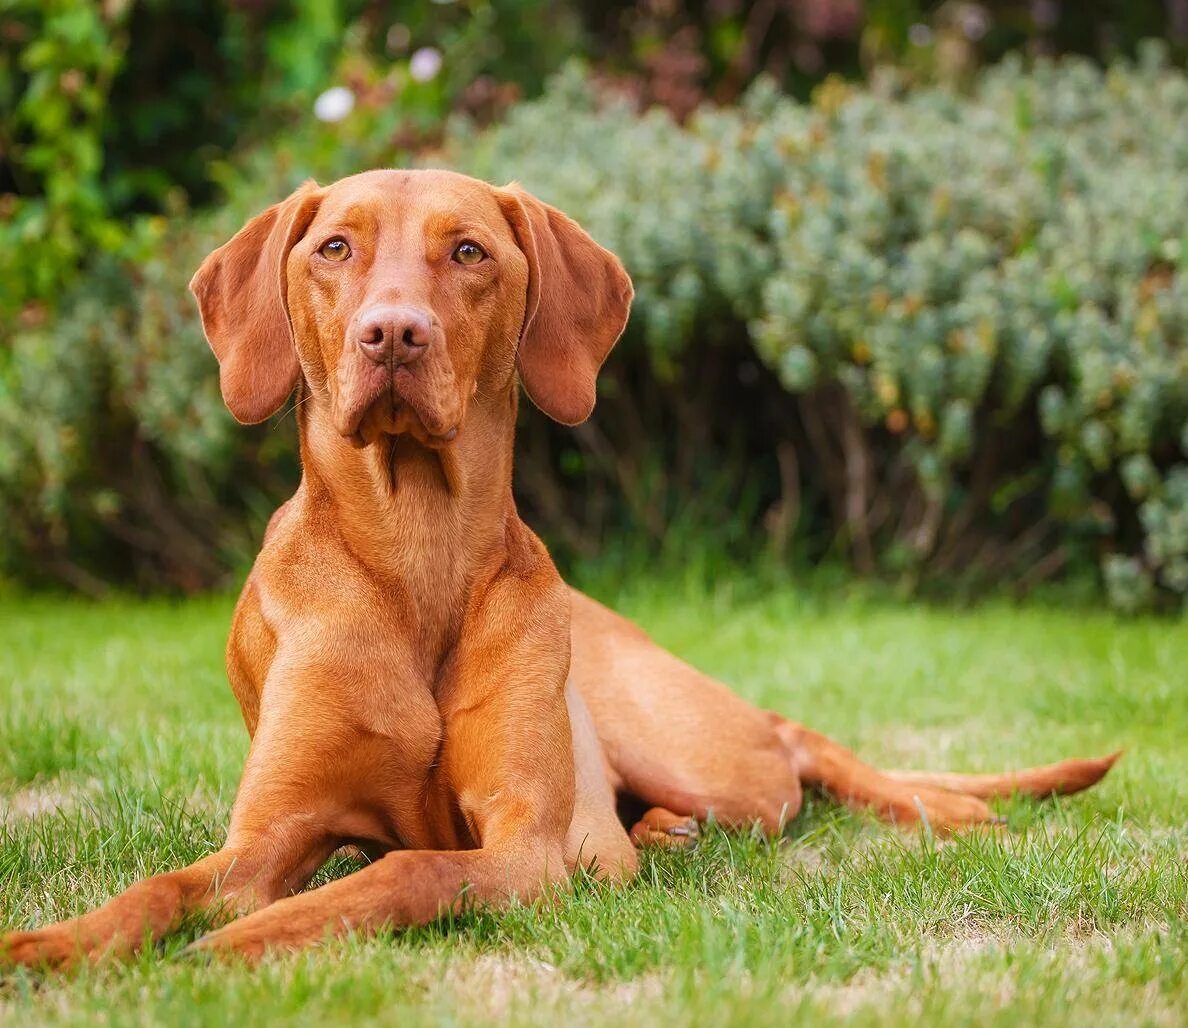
(120, 746)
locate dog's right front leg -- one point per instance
(241, 877)
(272, 850)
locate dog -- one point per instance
(417, 680)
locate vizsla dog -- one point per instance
(416, 679)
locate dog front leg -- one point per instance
(510, 761)
(403, 889)
(247, 873)
(276, 841)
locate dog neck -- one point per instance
(427, 523)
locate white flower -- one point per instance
(425, 63)
(974, 21)
(334, 104)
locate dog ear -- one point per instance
(241, 294)
(579, 297)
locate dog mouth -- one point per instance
(381, 403)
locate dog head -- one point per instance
(400, 295)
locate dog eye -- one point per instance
(469, 253)
(335, 250)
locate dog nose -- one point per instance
(397, 334)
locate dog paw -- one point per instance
(223, 945)
(248, 939)
(950, 811)
(52, 948)
(659, 827)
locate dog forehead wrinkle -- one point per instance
(356, 218)
(428, 204)
(446, 197)
(455, 220)
(359, 214)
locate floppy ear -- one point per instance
(241, 296)
(579, 297)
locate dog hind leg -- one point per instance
(948, 800)
(662, 828)
(829, 766)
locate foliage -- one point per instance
(54, 82)
(681, 50)
(114, 107)
(125, 106)
(974, 303)
(937, 334)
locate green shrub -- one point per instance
(967, 311)
(58, 60)
(974, 302)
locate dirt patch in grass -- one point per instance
(934, 748)
(986, 965)
(504, 984)
(45, 797)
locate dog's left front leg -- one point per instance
(404, 888)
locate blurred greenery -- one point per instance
(129, 106)
(971, 305)
(927, 321)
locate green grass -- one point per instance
(120, 747)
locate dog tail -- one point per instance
(1059, 779)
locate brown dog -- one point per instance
(402, 649)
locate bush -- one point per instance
(58, 60)
(935, 334)
(974, 303)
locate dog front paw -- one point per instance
(53, 948)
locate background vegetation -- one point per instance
(902, 305)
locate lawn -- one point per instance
(120, 747)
